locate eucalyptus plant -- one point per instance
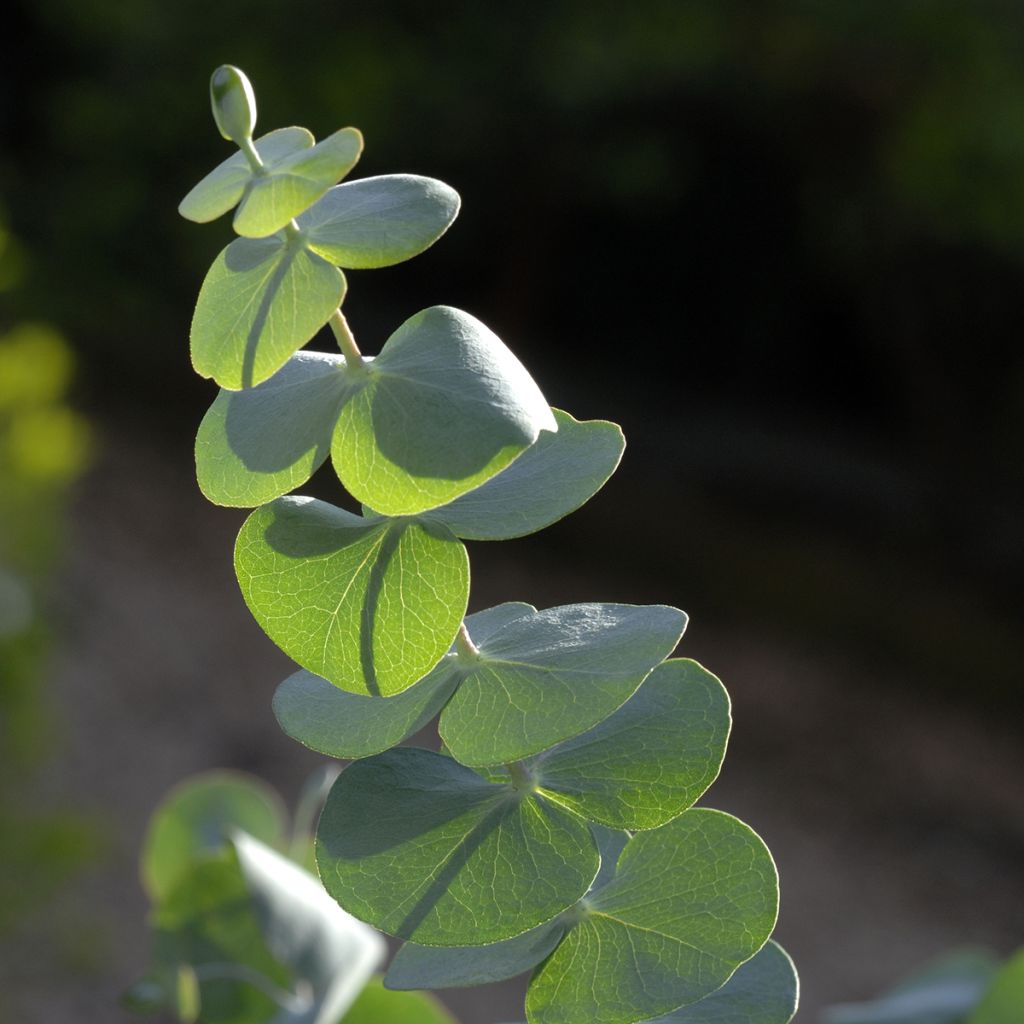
(555, 828)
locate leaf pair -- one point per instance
(266, 295)
(431, 818)
(504, 860)
(444, 408)
(370, 573)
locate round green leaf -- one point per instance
(376, 222)
(546, 677)
(557, 474)
(255, 445)
(371, 605)
(225, 185)
(422, 848)
(349, 725)
(195, 819)
(764, 990)
(284, 189)
(651, 759)
(444, 408)
(417, 966)
(377, 1005)
(688, 904)
(261, 301)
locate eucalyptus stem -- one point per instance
(251, 154)
(346, 340)
(465, 646)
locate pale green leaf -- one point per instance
(370, 605)
(445, 407)
(255, 445)
(552, 675)
(291, 185)
(224, 186)
(689, 903)
(329, 953)
(1003, 1003)
(553, 477)
(651, 759)
(417, 966)
(943, 993)
(194, 820)
(377, 1005)
(423, 848)
(764, 990)
(261, 301)
(349, 725)
(376, 222)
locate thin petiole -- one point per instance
(346, 340)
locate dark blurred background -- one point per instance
(781, 243)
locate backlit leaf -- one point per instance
(375, 222)
(444, 408)
(376, 1005)
(262, 300)
(371, 605)
(553, 477)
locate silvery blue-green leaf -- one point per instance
(284, 189)
(378, 1005)
(546, 677)
(349, 725)
(688, 904)
(1004, 1000)
(460, 966)
(553, 477)
(376, 222)
(371, 605)
(255, 445)
(417, 845)
(943, 993)
(195, 819)
(225, 185)
(648, 761)
(610, 844)
(445, 407)
(764, 990)
(261, 301)
(233, 103)
(331, 955)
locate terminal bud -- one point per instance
(233, 102)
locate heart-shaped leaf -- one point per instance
(261, 301)
(651, 759)
(225, 185)
(445, 407)
(764, 990)
(255, 445)
(376, 222)
(196, 818)
(557, 474)
(423, 848)
(281, 191)
(371, 605)
(349, 725)
(546, 677)
(688, 904)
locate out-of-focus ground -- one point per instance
(895, 820)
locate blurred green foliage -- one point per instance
(44, 447)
